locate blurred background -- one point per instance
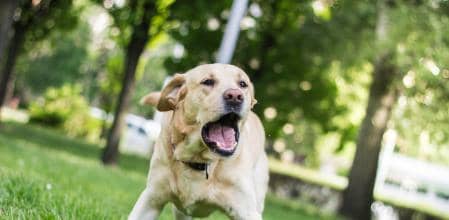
(353, 96)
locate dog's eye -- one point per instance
(208, 82)
(243, 84)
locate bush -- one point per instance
(65, 108)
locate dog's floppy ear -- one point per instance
(171, 94)
(151, 99)
(253, 98)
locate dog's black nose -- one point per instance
(233, 99)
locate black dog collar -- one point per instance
(198, 167)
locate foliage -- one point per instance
(152, 75)
(65, 108)
(46, 175)
(58, 59)
(38, 18)
(110, 81)
(422, 53)
(310, 62)
(33, 20)
(125, 16)
(124, 19)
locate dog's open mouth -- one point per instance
(222, 136)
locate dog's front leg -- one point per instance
(148, 206)
(245, 215)
(242, 205)
(179, 215)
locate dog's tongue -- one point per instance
(223, 136)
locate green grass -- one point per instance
(45, 175)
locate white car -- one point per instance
(139, 134)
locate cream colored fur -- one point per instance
(236, 184)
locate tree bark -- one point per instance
(135, 47)
(13, 51)
(7, 8)
(358, 196)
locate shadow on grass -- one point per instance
(53, 139)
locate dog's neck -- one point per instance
(181, 148)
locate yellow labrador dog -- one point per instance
(210, 154)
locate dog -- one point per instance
(210, 153)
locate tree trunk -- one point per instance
(13, 51)
(135, 48)
(7, 8)
(358, 196)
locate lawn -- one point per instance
(45, 175)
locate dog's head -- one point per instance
(214, 98)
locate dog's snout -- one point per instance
(233, 100)
(233, 96)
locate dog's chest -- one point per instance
(197, 209)
(195, 197)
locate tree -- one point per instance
(7, 9)
(37, 20)
(60, 58)
(410, 49)
(143, 20)
(358, 196)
